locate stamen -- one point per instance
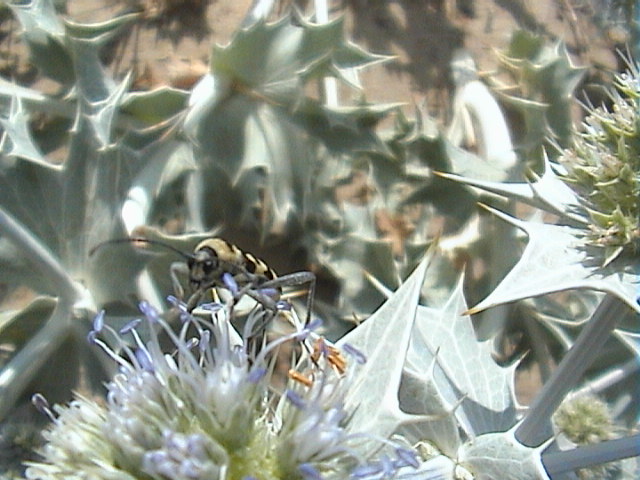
(300, 378)
(309, 472)
(256, 374)
(355, 353)
(337, 360)
(98, 321)
(367, 470)
(211, 306)
(269, 292)
(181, 306)
(283, 305)
(192, 343)
(92, 337)
(144, 360)
(205, 340)
(148, 311)
(409, 458)
(42, 405)
(295, 399)
(129, 327)
(230, 283)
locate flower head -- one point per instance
(586, 420)
(206, 408)
(604, 169)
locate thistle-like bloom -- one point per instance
(206, 408)
(586, 420)
(595, 194)
(604, 169)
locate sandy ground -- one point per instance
(422, 35)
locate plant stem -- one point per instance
(330, 83)
(16, 375)
(602, 382)
(591, 455)
(43, 260)
(536, 426)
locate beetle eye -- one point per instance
(208, 266)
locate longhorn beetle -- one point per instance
(213, 258)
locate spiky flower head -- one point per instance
(604, 169)
(586, 420)
(207, 408)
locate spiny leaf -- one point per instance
(38, 16)
(288, 54)
(491, 455)
(101, 32)
(485, 389)
(155, 106)
(556, 259)
(346, 257)
(375, 390)
(17, 139)
(422, 392)
(102, 113)
(548, 192)
(44, 34)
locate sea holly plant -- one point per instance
(199, 402)
(408, 394)
(207, 408)
(594, 190)
(53, 212)
(257, 130)
(544, 81)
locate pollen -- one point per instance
(300, 378)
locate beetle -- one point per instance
(217, 263)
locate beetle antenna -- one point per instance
(186, 256)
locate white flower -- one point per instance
(206, 408)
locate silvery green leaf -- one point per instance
(464, 367)
(17, 326)
(35, 100)
(166, 163)
(344, 129)
(492, 455)
(549, 74)
(477, 114)
(266, 175)
(101, 32)
(469, 165)
(102, 113)
(548, 192)
(260, 10)
(556, 259)
(373, 396)
(27, 187)
(39, 15)
(288, 54)
(346, 256)
(534, 116)
(92, 83)
(43, 32)
(420, 394)
(155, 106)
(631, 339)
(23, 367)
(16, 139)
(211, 89)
